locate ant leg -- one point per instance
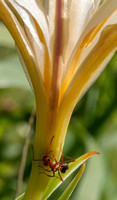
(49, 175)
(51, 140)
(44, 168)
(33, 155)
(70, 159)
(62, 157)
(60, 176)
(51, 144)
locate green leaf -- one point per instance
(67, 193)
(92, 183)
(55, 183)
(20, 197)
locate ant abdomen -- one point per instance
(64, 167)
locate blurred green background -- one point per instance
(93, 126)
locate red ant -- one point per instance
(54, 165)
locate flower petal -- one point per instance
(84, 48)
(103, 12)
(37, 43)
(92, 66)
(32, 35)
(23, 45)
(80, 13)
(36, 10)
(91, 39)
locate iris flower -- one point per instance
(63, 45)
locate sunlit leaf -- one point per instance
(20, 197)
(72, 185)
(55, 183)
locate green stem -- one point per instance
(37, 183)
(49, 123)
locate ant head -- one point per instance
(46, 160)
(64, 167)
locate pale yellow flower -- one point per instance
(64, 45)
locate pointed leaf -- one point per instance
(67, 193)
(55, 183)
(20, 197)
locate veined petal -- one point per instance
(91, 39)
(66, 4)
(38, 44)
(32, 35)
(36, 10)
(23, 45)
(103, 12)
(80, 13)
(83, 50)
(51, 20)
(92, 66)
(57, 56)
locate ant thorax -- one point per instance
(54, 165)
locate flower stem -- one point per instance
(37, 183)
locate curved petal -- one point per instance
(23, 45)
(91, 39)
(103, 12)
(80, 13)
(92, 66)
(36, 10)
(31, 34)
(39, 48)
(84, 48)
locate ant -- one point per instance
(54, 165)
